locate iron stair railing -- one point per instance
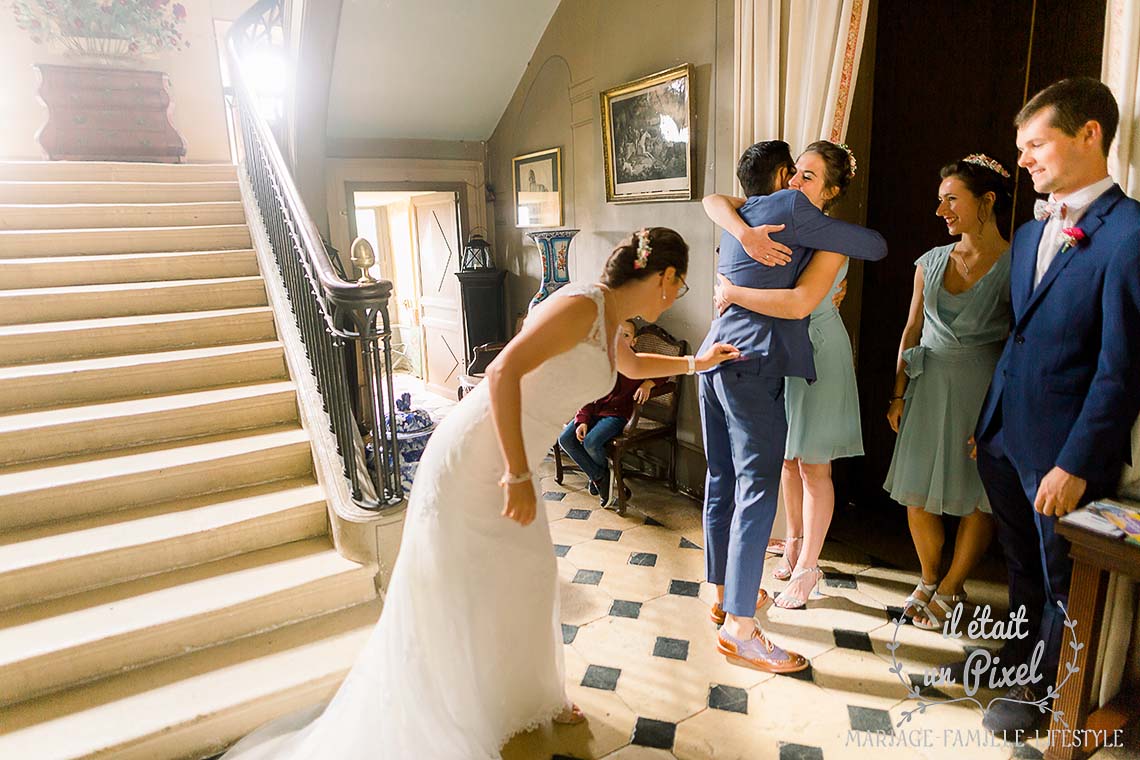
(338, 319)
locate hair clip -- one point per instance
(643, 249)
(981, 159)
(850, 156)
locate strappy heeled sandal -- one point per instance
(785, 572)
(913, 604)
(934, 620)
(791, 602)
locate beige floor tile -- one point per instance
(858, 678)
(797, 711)
(664, 689)
(616, 642)
(918, 650)
(724, 736)
(580, 603)
(843, 557)
(838, 608)
(633, 752)
(608, 727)
(599, 518)
(950, 732)
(887, 586)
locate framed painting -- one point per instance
(538, 188)
(647, 138)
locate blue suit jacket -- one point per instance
(1067, 387)
(781, 347)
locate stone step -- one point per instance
(85, 242)
(128, 299)
(117, 192)
(75, 430)
(49, 646)
(60, 271)
(114, 171)
(83, 485)
(42, 216)
(195, 705)
(58, 559)
(41, 386)
(57, 341)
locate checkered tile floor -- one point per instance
(642, 663)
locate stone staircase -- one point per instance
(167, 578)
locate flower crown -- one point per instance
(643, 249)
(981, 159)
(850, 156)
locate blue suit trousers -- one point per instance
(745, 426)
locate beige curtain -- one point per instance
(1120, 70)
(795, 66)
(795, 63)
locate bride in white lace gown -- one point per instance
(468, 650)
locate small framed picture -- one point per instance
(538, 189)
(647, 138)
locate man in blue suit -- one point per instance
(742, 404)
(1054, 429)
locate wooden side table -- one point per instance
(1094, 557)
(99, 113)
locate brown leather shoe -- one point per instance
(717, 614)
(759, 654)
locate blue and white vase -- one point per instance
(413, 429)
(554, 247)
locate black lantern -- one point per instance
(476, 254)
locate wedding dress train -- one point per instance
(468, 649)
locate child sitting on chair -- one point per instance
(596, 424)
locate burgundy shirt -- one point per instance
(616, 403)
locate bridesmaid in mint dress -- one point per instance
(959, 319)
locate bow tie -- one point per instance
(1044, 210)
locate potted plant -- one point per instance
(104, 31)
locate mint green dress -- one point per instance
(949, 371)
(823, 417)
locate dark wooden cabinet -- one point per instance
(98, 113)
(484, 297)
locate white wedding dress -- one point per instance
(468, 650)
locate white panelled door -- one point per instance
(436, 221)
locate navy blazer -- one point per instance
(782, 347)
(1067, 387)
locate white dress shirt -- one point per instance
(1076, 204)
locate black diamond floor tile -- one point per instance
(654, 733)
(608, 534)
(644, 559)
(1027, 752)
(561, 550)
(624, 609)
(687, 544)
(568, 633)
(931, 692)
(673, 649)
(807, 674)
(684, 588)
(601, 677)
(578, 514)
(894, 613)
(728, 698)
(588, 577)
(853, 640)
(553, 495)
(840, 580)
(651, 521)
(799, 752)
(870, 719)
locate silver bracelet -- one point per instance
(510, 479)
(692, 364)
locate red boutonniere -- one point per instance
(1073, 236)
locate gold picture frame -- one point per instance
(538, 194)
(647, 138)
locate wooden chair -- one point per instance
(656, 419)
(481, 356)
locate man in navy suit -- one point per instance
(1054, 429)
(742, 406)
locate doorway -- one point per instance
(948, 80)
(415, 234)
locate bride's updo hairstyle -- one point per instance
(982, 174)
(631, 261)
(840, 167)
